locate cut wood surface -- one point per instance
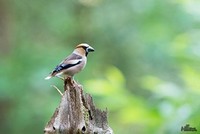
(77, 114)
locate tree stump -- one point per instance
(77, 114)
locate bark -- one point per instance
(77, 114)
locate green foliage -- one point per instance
(145, 69)
(125, 108)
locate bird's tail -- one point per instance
(48, 77)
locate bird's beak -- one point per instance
(90, 49)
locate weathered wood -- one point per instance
(77, 114)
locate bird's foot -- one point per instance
(70, 81)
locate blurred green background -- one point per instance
(145, 70)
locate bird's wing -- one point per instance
(70, 61)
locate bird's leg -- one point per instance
(72, 80)
(69, 80)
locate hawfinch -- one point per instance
(72, 64)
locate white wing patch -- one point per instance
(74, 61)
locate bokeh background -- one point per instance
(145, 70)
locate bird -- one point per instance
(72, 64)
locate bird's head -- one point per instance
(84, 49)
